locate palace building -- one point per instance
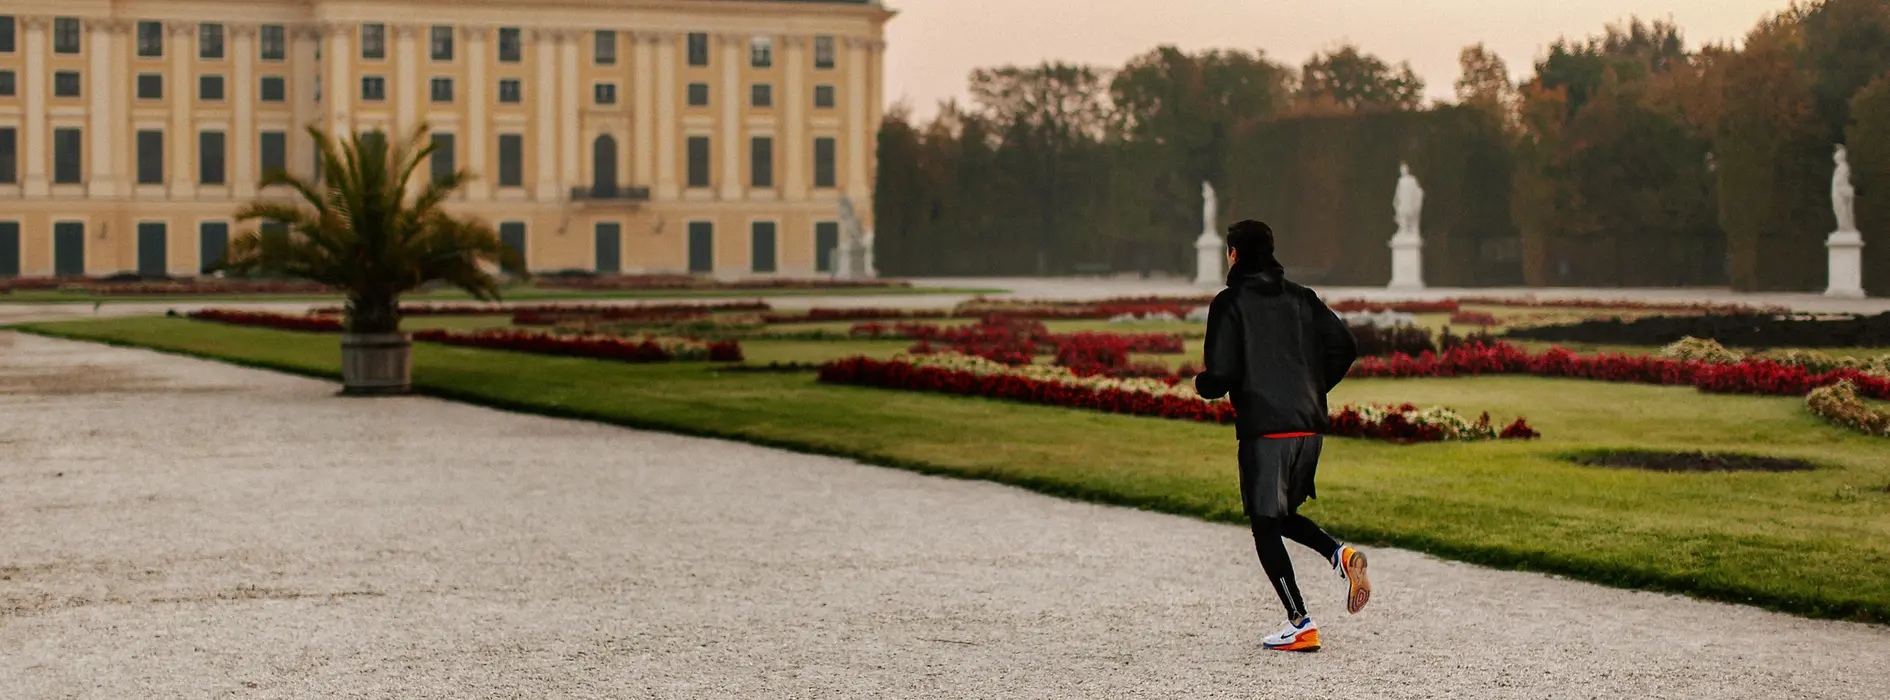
(633, 136)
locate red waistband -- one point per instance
(1279, 436)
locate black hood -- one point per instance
(1266, 276)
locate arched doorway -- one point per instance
(604, 166)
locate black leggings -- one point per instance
(1273, 558)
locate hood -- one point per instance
(1265, 276)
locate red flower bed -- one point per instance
(816, 315)
(633, 282)
(595, 346)
(1749, 377)
(607, 310)
(1410, 307)
(263, 319)
(1474, 318)
(1700, 307)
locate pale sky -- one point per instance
(934, 44)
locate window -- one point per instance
(761, 95)
(512, 237)
(67, 154)
(604, 93)
(761, 242)
(698, 94)
(609, 247)
(826, 239)
(9, 249)
(701, 246)
(823, 162)
(374, 41)
(510, 49)
(443, 161)
(823, 97)
(274, 89)
(68, 248)
(65, 83)
(150, 86)
(6, 34)
(210, 88)
(761, 162)
(150, 39)
(442, 43)
(698, 49)
(604, 48)
(441, 89)
(210, 157)
(209, 41)
(510, 91)
(761, 52)
(9, 85)
(9, 155)
(698, 161)
(273, 42)
(373, 88)
(151, 248)
(823, 52)
(66, 35)
(213, 242)
(150, 157)
(274, 152)
(511, 160)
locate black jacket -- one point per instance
(1276, 348)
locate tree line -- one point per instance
(1626, 158)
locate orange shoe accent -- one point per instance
(1361, 587)
(1306, 641)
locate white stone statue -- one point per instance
(1843, 196)
(1407, 247)
(1210, 250)
(866, 248)
(849, 259)
(1844, 248)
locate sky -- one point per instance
(933, 45)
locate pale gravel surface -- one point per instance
(173, 528)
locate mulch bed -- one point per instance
(1731, 330)
(1691, 462)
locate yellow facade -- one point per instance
(142, 184)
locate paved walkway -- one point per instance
(174, 528)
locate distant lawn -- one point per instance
(512, 294)
(1814, 543)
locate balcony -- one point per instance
(610, 195)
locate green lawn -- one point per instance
(1814, 543)
(523, 293)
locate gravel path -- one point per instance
(182, 529)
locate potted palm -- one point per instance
(360, 229)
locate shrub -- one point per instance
(1840, 404)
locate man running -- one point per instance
(1276, 348)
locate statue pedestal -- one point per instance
(1407, 262)
(849, 260)
(1210, 253)
(1846, 251)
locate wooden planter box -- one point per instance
(378, 364)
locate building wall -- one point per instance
(558, 117)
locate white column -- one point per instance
(666, 142)
(543, 93)
(242, 136)
(339, 89)
(181, 142)
(306, 71)
(856, 120)
(480, 189)
(569, 174)
(101, 179)
(37, 184)
(794, 154)
(407, 82)
(643, 53)
(731, 170)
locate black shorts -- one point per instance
(1276, 474)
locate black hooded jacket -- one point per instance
(1277, 350)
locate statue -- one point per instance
(849, 259)
(1407, 249)
(1210, 250)
(1409, 202)
(1843, 196)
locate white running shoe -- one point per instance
(1301, 637)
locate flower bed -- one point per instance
(638, 350)
(263, 319)
(1474, 318)
(819, 315)
(197, 287)
(1055, 386)
(674, 282)
(1443, 306)
(1840, 404)
(1745, 377)
(606, 310)
(1743, 330)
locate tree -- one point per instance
(358, 230)
(1347, 80)
(1869, 140)
(1846, 46)
(1053, 117)
(1484, 83)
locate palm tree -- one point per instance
(358, 230)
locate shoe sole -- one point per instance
(1361, 592)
